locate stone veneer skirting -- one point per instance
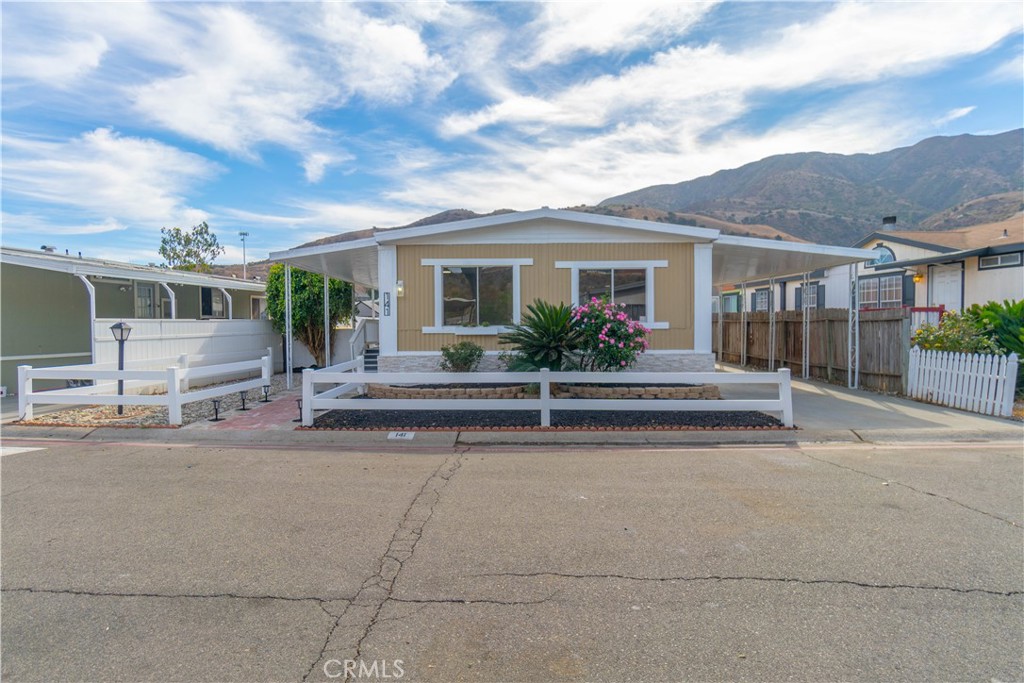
(649, 362)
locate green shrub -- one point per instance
(545, 338)
(1005, 323)
(611, 340)
(958, 333)
(462, 357)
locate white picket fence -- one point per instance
(174, 379)
(979, 383)
(348, 379)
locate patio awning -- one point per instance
(735, 260)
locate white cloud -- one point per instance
(334, 217)
(112, 178)
(239, 84)
(381, 60)
(953, 115)
(58, 63)
(853, 44)
(565, 29)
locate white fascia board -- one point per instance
(552, 214)
(77, 267)
(321, 249)
(798, 247)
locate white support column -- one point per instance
(92, 316)
(387, 275)
(327, 322)
(288, 325)
(771, 325)
(227, 297)
(174, 300)
(805, 328)
(743, 322)
(721, 325)
(853, 332)
(701, 298)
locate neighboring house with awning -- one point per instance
(55, 309)
(471, 279)
(953, 269)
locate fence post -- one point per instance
(906, 334)
(1009, 386)
(307, 398)
(173, 395)
(545, 398)
(910, 386)
(183, 364)
(786, 396)
(267, 371)
(24, 389)
(270, 354)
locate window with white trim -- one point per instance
(1000, 261)
(622, 282)
(809, 296)
(883, 291)
(475, 296)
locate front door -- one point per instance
(946, 286)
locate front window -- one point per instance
(258, 308)
(619, 285)
(867, 294)
(890, 291)
(477, 295)
(885, 255)
(211, 303)
(145, 300)
(761, 300)
(809, 296)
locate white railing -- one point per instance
(347, 377)
(979, 383)
(103, 391)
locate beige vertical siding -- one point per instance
(673, 286)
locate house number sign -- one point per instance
(387, 304)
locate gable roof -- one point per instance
(946, 241)
(735, 259)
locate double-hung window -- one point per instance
(885, 291)
(475, 296)
(630, 283)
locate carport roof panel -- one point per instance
(743, 259)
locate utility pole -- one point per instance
(243, 235)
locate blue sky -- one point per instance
(296, 121)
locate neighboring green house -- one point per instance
(55, 310)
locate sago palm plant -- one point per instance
(546, 337)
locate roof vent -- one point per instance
(48, 249)
(1006, 233)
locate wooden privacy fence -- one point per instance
(980, 383)
(884, 344)
(348, 378)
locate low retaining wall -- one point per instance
(646, 362)
(707, 391)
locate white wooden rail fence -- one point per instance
(175, 378)
(347, 378)
(979, 383)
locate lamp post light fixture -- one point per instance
(120, 331)
(243, 234)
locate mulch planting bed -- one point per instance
(527, 420)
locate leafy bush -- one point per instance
(547, 337)
(462, 357)
(1006, 324)
(958, 333)
(611, 340)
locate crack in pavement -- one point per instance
(915, 490)
(764, 579)
(375, 591)
(171, 596)
(473, 601)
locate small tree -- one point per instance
(611, 340)
(194, 249)
(308, 307)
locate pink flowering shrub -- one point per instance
(610, 339)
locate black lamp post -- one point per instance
(120, 332)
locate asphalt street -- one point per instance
(419, 562)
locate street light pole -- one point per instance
(243, 235)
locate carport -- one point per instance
(734, 262)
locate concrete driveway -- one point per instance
(793, 562)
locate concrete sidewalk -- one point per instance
(823, 413)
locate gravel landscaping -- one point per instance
(566, 420)
(152, 416)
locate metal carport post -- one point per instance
(288, 325)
